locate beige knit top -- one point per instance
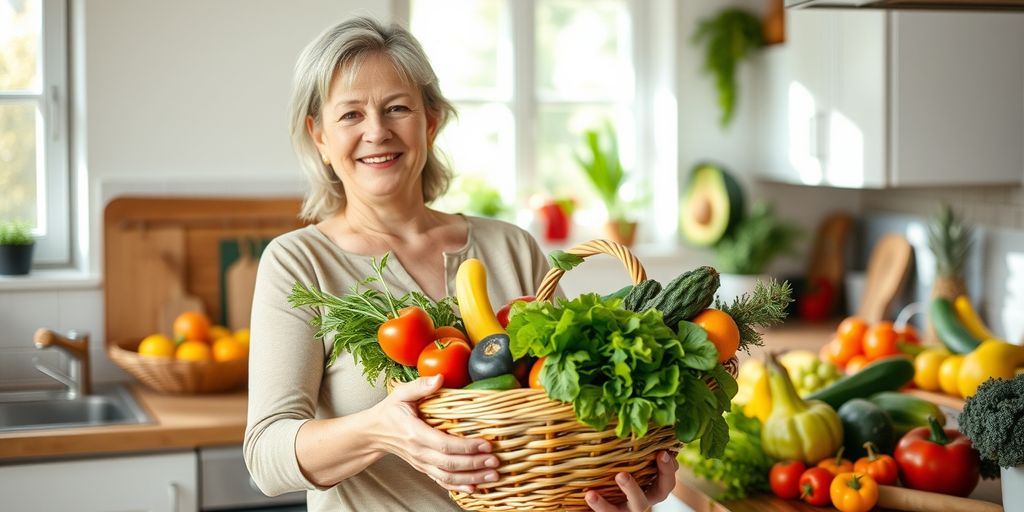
(289, 385)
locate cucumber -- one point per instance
(686, 295)
(907, 412)
(498, 383)
(886, 374)
(947, 326)
(641, 294)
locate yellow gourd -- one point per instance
(993, 358)
(474, 304)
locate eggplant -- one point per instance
(491, 357)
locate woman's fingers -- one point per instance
(636, 500)
(667, 467)
(456, 478)
(450, 445)
(417, 389)
(598, 503)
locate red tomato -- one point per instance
(448, 357)
(814, 486)
(784, 479)
(535, 374)
(403, 338)
(502, 313)
(449, 331)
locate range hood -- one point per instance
(970, 5)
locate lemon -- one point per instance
(156, 345)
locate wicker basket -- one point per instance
(179, 377)
(548, 459)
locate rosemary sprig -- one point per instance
(353, 320)
(764, 307)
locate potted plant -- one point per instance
(600, 162)
(16, 244)
(991, 419)
(746, 250)
(731, 35)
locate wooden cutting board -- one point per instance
(240, 283)
(887, 270)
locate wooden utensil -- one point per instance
(887, 269)
(828, 255)
(178, 299)
(240, 281)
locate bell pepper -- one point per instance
(881, 467)
(938, 460)
(837, 464)
(853, 492)
(795, 429)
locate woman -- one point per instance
(366, 109)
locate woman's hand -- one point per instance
(455, 463)
(636, 499)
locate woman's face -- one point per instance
(376, 132)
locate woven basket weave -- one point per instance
(179, 377)
(548, 459)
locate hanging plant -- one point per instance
(730, 36)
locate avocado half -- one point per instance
(712, 204)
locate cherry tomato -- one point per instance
(502, 313)
(535, 374)
(403, 338)
(448, 357)
(814, 486)
(784, 479)
(449, 331)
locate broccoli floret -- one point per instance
(994, 418)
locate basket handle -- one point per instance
(633, 267)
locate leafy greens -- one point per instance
(744, 466)
(616, 365)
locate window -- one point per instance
(528, 77)
(33, 122)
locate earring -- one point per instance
(326, 161)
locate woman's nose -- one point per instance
(376, 130)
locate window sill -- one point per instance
(52, 279)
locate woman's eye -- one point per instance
(348, 116)
(397, 109)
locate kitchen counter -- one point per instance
(177, 421)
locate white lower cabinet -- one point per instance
(166, 482)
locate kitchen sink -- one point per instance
(31, 411)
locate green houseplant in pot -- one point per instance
(992, 418)
(742, 256)
(16, 245)
(599, 161)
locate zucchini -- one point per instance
(498, 383)
(907, 412)
(686, 295)
(641, 294)
(885, 374)
(947, 326)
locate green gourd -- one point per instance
(641, 294)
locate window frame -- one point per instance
(53, 232)
(654, 131)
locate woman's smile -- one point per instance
(380, 160)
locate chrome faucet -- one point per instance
(76, 346)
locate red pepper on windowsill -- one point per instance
(938, 460)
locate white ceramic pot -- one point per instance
(732, 286)
(1012, 481)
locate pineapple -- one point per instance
(950, 240)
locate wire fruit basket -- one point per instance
(549, 460)
(179, 377)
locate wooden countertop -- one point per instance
(177, 421)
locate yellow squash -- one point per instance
(798, 430)
(474, 304)
(970, 319)
(993, 358)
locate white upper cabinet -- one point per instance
(871, 99)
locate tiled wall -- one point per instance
(993, 207)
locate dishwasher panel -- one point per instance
(224, 483)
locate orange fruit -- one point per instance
(880, 341)
(722, 332)
(156, 345)
(851, 330)
(194, 350)
(242, 335)
(228, 349)
(218, 331)
(856, 364)
(192, 325)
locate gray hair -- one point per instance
(345, 47)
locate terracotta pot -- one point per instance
(15, 260)
(621, 231)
